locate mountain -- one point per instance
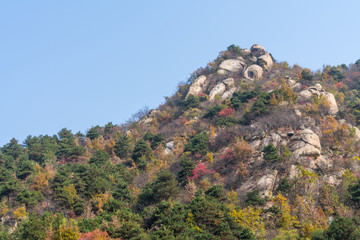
(246, 148)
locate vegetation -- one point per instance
(234, 168)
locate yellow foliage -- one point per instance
(212, 131)
(68, 230)
(70, 189)
(99, 200)
(232, 197)
(287, 221)
(20, 213)
(273, 100)
(250, 218)
(210, 157)
(3, 207)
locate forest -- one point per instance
(276, 157)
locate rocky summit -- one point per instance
(247, 148)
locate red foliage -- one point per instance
(96, 234)
(200, 170)
(226, 112)
(339, 85)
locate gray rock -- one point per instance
(246, 51)
(305, 95)
(296, 87)
(232, 65)
(229, 82)
(228, 93)
(257, 50)
(253, 72)
(268, 61)
(306, 143)
(333, 108)
(198, 86)
(266, 183)
(219, 89)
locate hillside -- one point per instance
(247, 148)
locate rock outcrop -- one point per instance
(253, 72)
(305, 144)
(257, 50)
(198, 86)
(231, 65)
(219, 89)
(266, 61)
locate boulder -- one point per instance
(229, 82)
(305, 95)
(296, 87)
(253, 72)
(267, 61)
(198, 86)
(221, 72)
(257, 50)
(333, 108)
(252, 58)
(357, 133)
(306, 143)
(232, 65)
(169, 147)
(219, 89)
(228, 93)
(246, 51)
(266, 183)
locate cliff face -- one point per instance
(247, 148)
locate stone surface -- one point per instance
(266, 183)
(221, 72)
(232, 65)
(198, 86)
(253, 72)
(305, 95)
(229, 82)
(296, 87)
(219, 89)
(246, 51)
(257, 50)
(228, 93)
(333, 108)
(266, 58)
(306, 143)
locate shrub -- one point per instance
(163, 187)
(343, 228)
(271, 154)
(142, 154)
(100, 158)
(253, 198)
(199, 144)
(284, 185)
(213, 111)
(190, 102)
(122, 147)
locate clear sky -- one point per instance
(78, 64)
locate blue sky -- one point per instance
(78, 64)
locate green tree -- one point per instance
(93, 133)
(343, 228)
(123, 147)
(190, 102)
(199, 144)
(163, 187)
(100, 158)
(142, 154)
(271, 154)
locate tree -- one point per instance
(190, 102)
(199, 144)
(122, 147)
(271, 154)
(343, 228)
(93, 133)
(142, 154)
(100, 158)
(163, 187)
(32, 228)
(253, 198)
